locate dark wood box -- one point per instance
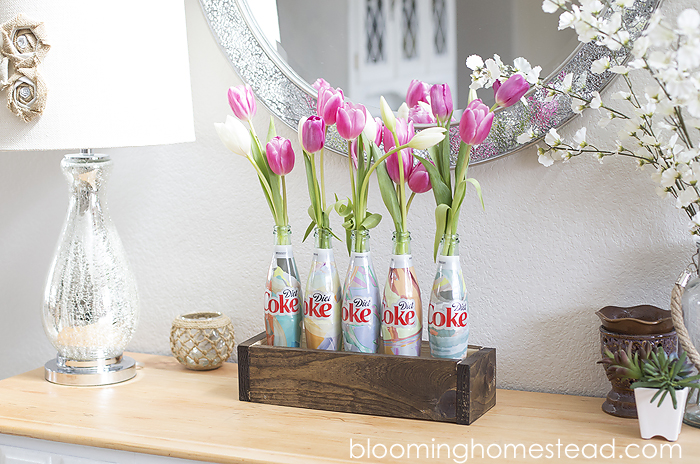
(378, 384)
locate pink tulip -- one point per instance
(380, 131)
(350, 120)
(320, 83)
(441, 102)
(242, 102)
(419, 114)
(313, 134)
(404, 132)
(512, 90)
(329, 100)
(419, 180)
(353, 152)
(280, 155)
(417, 91)
(476, 122)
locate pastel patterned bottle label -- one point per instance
(361, 321)
(402, 315)
(322, 308)
(448, 319)
(282, 304)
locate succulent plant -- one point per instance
(652, 368)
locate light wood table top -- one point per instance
(171, 411)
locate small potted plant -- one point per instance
(655, 375)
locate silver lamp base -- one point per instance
(90, 373)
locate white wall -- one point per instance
(553, 246)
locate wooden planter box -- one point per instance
(378, 384)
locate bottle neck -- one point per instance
(87, 176)
(401, 243)
(449, 245)
(282, 235)
(359, 241)
(322, 238)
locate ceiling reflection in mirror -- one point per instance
(371, 48)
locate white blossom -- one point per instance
(526, 136)
(551, 6)
(620, 70)
(686, 197)
(552, 138)
(600, 65)
(580, 138)
(669, 177)
(596, 101)
(474, 62)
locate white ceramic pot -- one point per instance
(661, 420)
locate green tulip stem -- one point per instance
(323, 183)
(352, 175)
(365, 183)
(410, 200)
(284, 199)
(319, 214)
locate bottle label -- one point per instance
(401, 315)
(286, 302)
(361, 300)
(319, 305)
(282, 303)
(450, 315)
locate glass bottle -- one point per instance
(402, 313)
(361, 298)
(691, 320)
(283, 297)
(90, 309)
(448, 320)
(322, 306)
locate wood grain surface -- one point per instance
(377, 384)
(170, 411)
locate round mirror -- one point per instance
(371, 48)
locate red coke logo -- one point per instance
(402, 314)
(318, 305)
(357, 311)
(286, 302)
(455, 316)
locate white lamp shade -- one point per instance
(117, 75)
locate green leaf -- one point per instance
(441, 213)
(477, 186)
(343, 207)
(312, 213)
(463, 159)
(312, 188)
(308, 230)
(348, 240)
(391, 201)
(444, 148)
(460, 193)
(271, 130)
(371, 221)
(442, 192)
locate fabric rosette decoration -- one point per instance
(23, 46)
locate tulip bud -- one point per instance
(370, 129)
(417, 92)
(475, 124)
(280, 155)
(419, 180)
(441, 102)
(402, 112)
(387, 115)
(421, 114)
(329, 100)
(313, 134)
(242, 102)
(234, 135)
(404, 133)
(427, 138)
(351, 120)
(380, 131)
(512, 90)
(320, 83)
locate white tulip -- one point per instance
(387, 115)
(427, 138)
(234, 135)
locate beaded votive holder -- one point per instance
(202, 341)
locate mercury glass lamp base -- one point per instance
(90, 373)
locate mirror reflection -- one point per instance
(371, 48)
